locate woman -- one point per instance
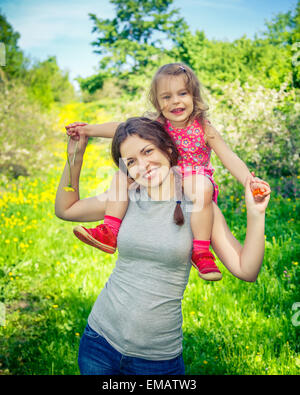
(135, 326)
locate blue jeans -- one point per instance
(97, 357)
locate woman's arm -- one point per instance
(244, 261)
(68, 205)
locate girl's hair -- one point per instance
(192, 85)
(154, 132)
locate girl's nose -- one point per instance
(175, 99)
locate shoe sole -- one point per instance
(85, 237)
(212, 276)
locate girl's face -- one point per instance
(175, 101)
(146, 164)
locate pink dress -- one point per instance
(194, 153)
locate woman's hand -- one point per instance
(259, 188)
(256, 204)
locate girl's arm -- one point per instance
(243, 261)
(229, 159)
(68, 205)
(107, 129)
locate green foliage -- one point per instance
(261, 126)
(134, 39)
(45, 82)
(284, 31)
(14, 58)
(221, 61)
(48, 84)
(25, 133)
(93, 83)
(132, 43)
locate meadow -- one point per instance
(49, 281)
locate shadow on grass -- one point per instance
(43, 337)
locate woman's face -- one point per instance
(146, 163)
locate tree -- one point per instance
(14, 58)
(48, 84)
(135, 37)
(284, 31)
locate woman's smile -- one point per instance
(146, 164)
(150, 174)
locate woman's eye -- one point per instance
(148, 151)
(129, 163)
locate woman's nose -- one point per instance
(143, 163)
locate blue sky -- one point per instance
(63, 28)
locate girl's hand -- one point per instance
(77, 129)
(254, 204)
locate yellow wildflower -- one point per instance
(69, 189)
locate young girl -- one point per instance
(175, 94)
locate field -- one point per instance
(49, 282)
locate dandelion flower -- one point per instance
(69, 189)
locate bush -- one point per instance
(261, 126)
(25, 132)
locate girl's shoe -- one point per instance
(100, 237)
(204, 262)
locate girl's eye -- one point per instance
(166, 97)
(130, 162)
(183, 93)
(148, 151)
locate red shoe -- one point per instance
(204, 262)
(100, 237)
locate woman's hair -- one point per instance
(154, 132)
(192, 85)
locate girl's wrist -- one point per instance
(255, 214)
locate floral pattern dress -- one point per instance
(194, 153)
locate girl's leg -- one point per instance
(104, 236)
(117, 197)
(199, 189)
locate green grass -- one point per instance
(49, 282)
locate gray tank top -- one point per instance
(139, 309)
